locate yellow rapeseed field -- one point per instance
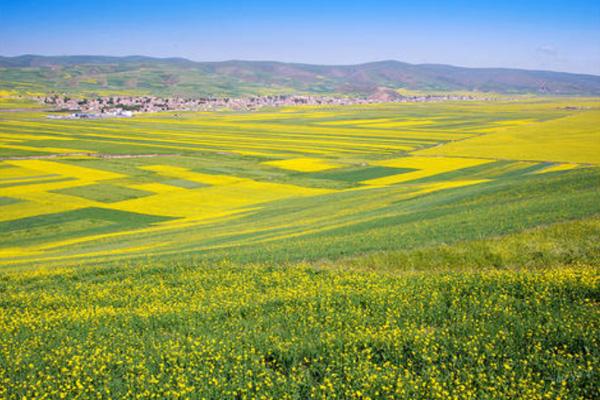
(362, 158)
(304, 164)
(404, 251)
(424, 167)
(253, 332)
(557, 167)
(575, 138)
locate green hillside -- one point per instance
(98, 75)
(410, 251)
(512, 317)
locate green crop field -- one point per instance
(439, 250)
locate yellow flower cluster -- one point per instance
(569, 139)
(304, 164)
(222, 331)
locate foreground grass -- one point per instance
(550, 246)
(486, 330)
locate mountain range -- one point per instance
(103, 75)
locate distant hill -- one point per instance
(90, 75)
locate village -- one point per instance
(127, 106)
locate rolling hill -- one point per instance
(405, 251)
(100, 75)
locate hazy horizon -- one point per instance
(538, 35)
(289, 62)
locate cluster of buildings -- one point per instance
(117, 113)
(126, 106)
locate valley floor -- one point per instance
(298, 183)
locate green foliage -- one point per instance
(552, 246)
(358, 174)
(226, 331)
(491, 209)
(7, 200)
(71, 225)
(104, 192)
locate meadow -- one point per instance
(443, 250)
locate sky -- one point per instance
(547, 35)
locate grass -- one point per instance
(545, 247)
(358, 174)
(338, 252)
(7, 200)
(71, 224)
(462, 324)
(294, 183)
(105, 193)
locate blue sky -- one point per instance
(553, 35)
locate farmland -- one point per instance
(375, 251)
(305, 183)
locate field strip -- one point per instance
(91, 155)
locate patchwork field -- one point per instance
(304, 182)
(414, 251)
